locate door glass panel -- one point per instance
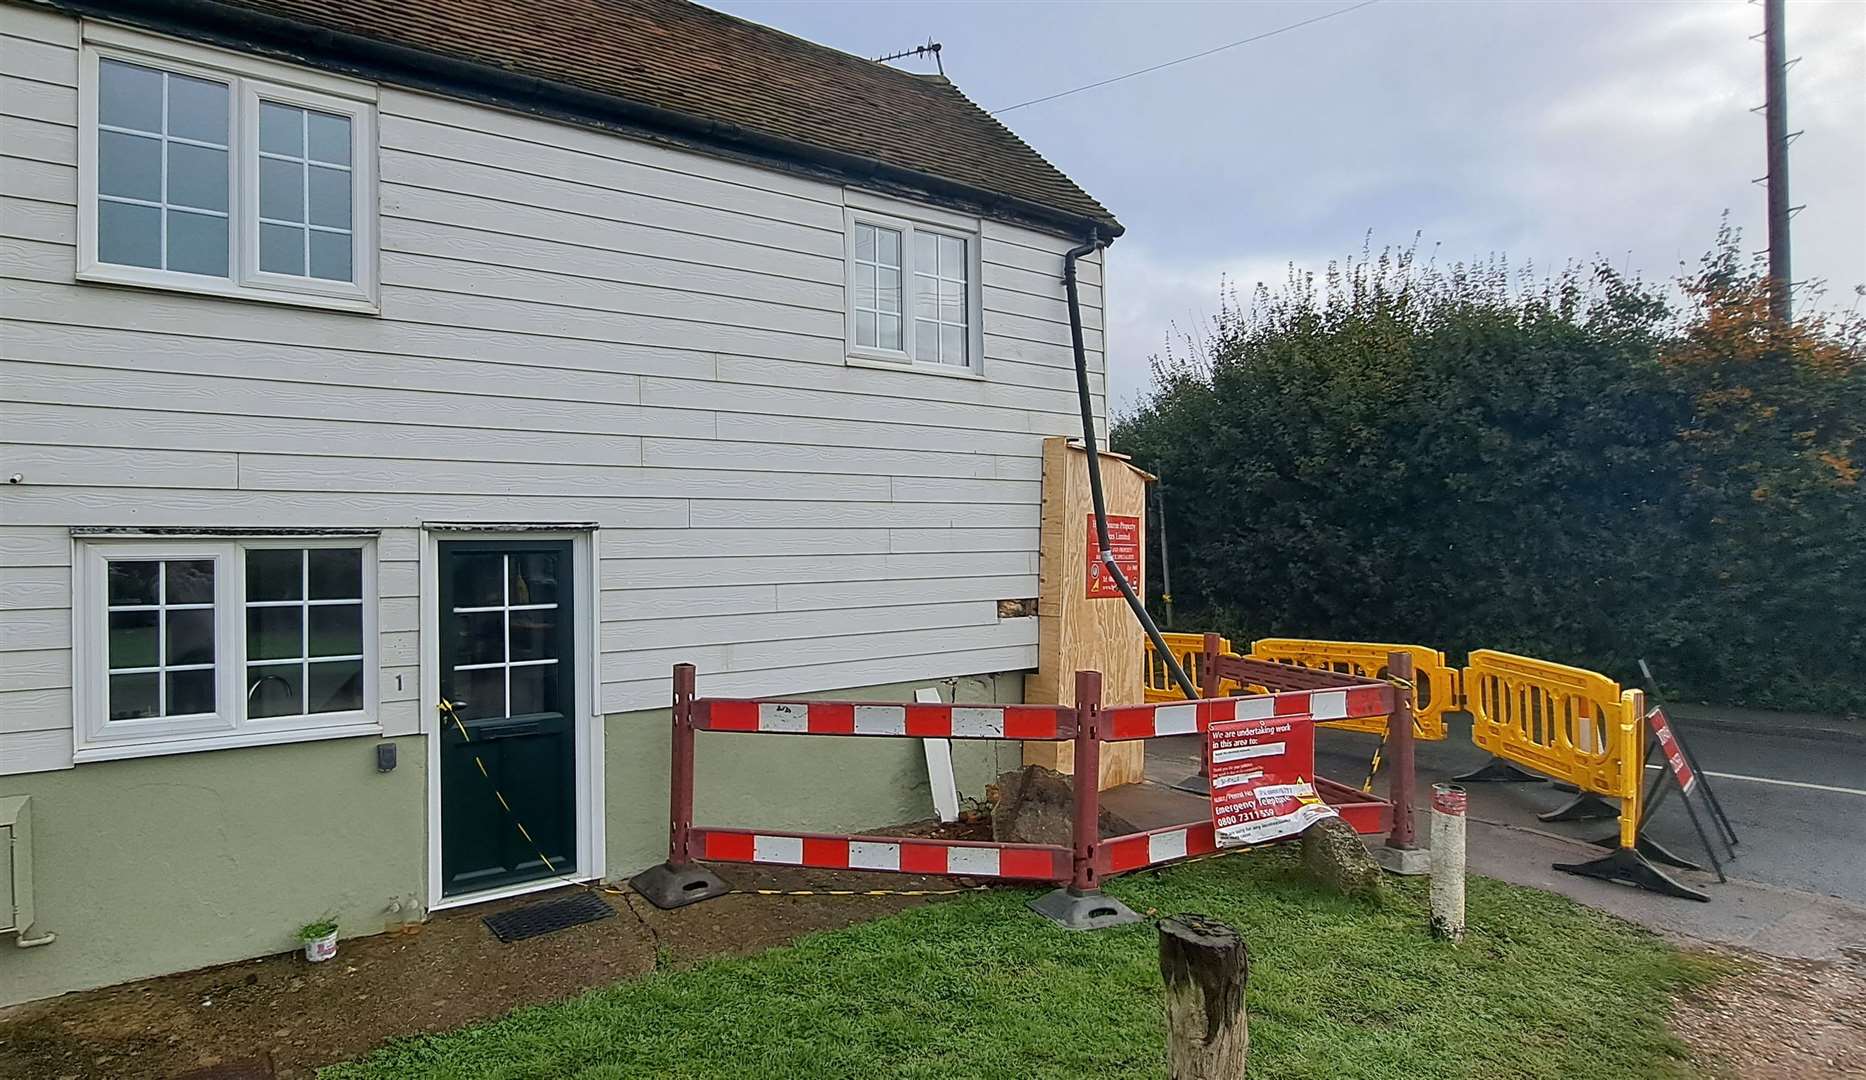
(534, 689)
(478, 580)
(534, 635)
(534, 578)
(480, 693)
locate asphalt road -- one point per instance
(1796, 798)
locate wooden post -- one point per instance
(1400, 752)
(1205, 965)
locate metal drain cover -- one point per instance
(543, 918)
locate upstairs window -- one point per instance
(913, 294)
(206, 172)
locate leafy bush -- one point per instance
(1590, 469)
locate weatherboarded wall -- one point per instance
(574, 327)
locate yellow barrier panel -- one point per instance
(1190, 650)
(1567, 723)
(1436, 682)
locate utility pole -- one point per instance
(1775, 113)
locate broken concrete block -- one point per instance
(1035, 805)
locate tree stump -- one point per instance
(1205, 966)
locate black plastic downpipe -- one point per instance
(1094, 469)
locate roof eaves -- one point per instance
(245, 29)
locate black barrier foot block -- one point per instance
(1653, 850)
(1196, 784)
(1072, 910)
(668, 886)
(1583, 807)
(1628, 867)
(1498, 771)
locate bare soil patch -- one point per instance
(1777, 1019)
(281, 1016)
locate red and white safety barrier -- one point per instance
(1040, 722)
(1040, 862)
(1192, 717)
(1123, 853)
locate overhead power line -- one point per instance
(1187, 59)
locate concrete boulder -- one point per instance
(1335, 855)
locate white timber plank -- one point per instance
(775, 655)
(36, 710)
(42, 628)
(44, 102)
(762, 457)
(36, 669)
(51, 384)
(821, 680)
(782, 569)
(946, 489)
(746, 514)
(686, 603)
(995, 251)
(249, 433)
(294, 473)
(56, 144)
(92, 466)
(856, 594)
(40, 61)
(406, 211)
(824, 431)
(397, 578)
(1044, 284)
(47, 223)
(766, 399)
(796, 315)
(41, 181)
(46, 546)
(910, 541)
(157, 508)
(405, 170)
(837, 377)
(264, 324)
(609, 172)
(35, 24)
(25, 588)
(636, 634)
(629, 544)
(36, 751)
(452, 244)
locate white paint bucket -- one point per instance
(318, 950)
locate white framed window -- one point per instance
(209, 172)
(185, 645)
(913, 294)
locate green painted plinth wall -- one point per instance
(164, 864)
(814, 783)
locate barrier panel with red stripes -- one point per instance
(1079, 867)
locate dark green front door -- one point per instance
(507, 651)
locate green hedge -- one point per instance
(1590, 470)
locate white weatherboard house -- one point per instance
(353, 355)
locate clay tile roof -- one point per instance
(720, 70)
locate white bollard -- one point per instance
(1448, 802)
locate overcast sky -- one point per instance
(1544, 131)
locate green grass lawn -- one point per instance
(981, 987)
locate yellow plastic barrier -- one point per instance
(1190, 650)
(1566, 723)
(1436, 682)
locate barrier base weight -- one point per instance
(1406, 862)
(668, 886)
(1074, 910)
(1653, 850)
(1628, 867)
(1585, 806)
(1498, 771)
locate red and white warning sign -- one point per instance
(1675, 759)
(1124, 542)
(1262, 777)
